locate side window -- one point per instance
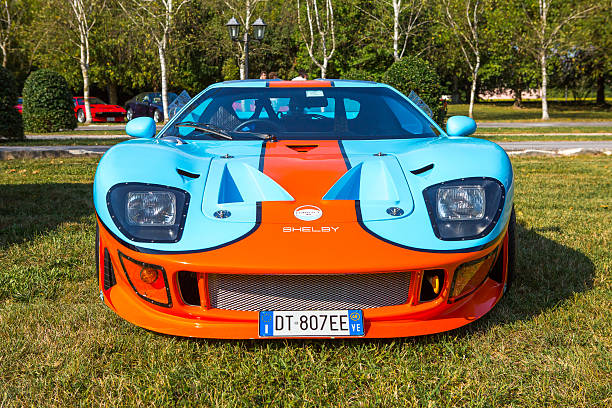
(145, 98)
(194, 116)
(352, 108)
(406, 117)
(244, 108)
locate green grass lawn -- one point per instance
(548, 342)
(503, 112)
(64, 142)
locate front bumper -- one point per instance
(411, 318)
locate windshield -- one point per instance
(156, 97)
(92, 101)
(303, 114)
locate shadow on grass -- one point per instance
(28, 210)
(546, 274)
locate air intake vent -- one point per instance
(308, 292)
(109, 273)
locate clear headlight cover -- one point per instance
(461, 203)
(465, 208)
(148, 212)
(154, 208)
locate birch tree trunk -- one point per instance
(84, 63)
(3, 47)
(164, 79)
(397, 4)
(5, 34)
(543, 89)
(473, 90)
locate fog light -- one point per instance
(431, 285)
(434, 281)
(469, 276)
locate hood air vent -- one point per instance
(302, 148)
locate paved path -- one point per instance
(543, 124)
(553, 148)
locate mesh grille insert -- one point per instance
(307, 292)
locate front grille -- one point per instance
(308, 292)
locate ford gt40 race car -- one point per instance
(321, 208)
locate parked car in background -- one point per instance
(147, 104)
(19, 105)
(100, 110)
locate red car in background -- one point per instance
(19, 105)
(100, 110)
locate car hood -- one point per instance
(237, 185)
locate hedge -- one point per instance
(415, 74)
(47, 103)
(11, 124)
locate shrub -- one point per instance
(361, 75)
(11, 124)
(47, 103)
(415, 74)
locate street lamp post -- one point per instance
(259, 28)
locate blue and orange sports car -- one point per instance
(322, 208)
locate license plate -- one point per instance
(110, 119)
(311, 323)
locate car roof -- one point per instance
(274, 83)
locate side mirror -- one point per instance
(460, 126)
(141, 127)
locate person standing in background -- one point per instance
(301, 77)
(263, 75)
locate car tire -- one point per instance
(157, 116)
(130, 114)
(511, 250)
(81, 117)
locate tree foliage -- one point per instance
(47, 103)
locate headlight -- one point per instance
(465, 208)
(154, 208)
(148, 212)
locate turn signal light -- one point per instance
(148, 281)
(469, 276)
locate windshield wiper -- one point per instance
(264, 136)
(206, 127)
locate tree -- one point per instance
(545, 22)
(82, 19)
(10, 13)
(509, 65)
(594, 37)
(158, 16)
(320, 31)
(465, 20)
(406, 16)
